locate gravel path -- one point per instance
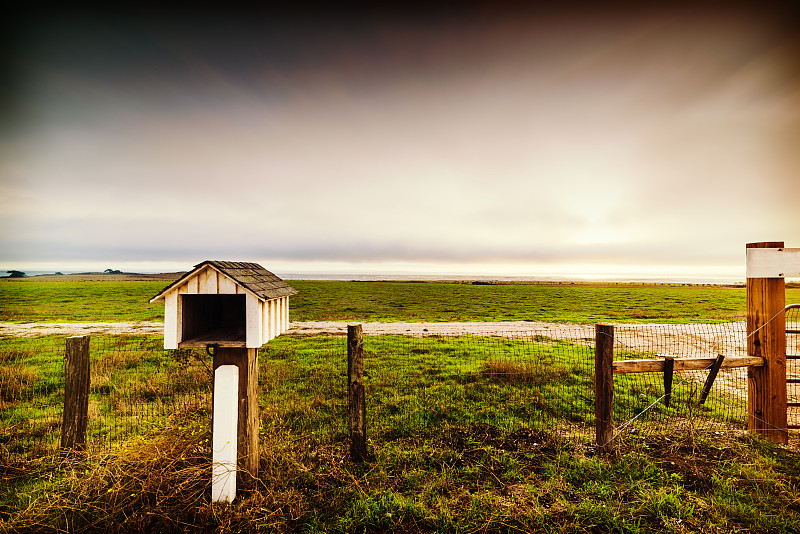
(509, 328)
(676, 339)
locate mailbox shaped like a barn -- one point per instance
(225, 303)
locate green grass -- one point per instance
(37, 301)
(466, 434)
(32, 301)
(463, 479)
(551, 302)
(579, 303)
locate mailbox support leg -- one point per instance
(247, 443)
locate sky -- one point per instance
(491, 139)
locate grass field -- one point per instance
(465, 434)
(463, 437)
(34, 301)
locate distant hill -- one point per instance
(80, 277)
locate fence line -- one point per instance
(134, 387)
(793, 365)
(726, 406)
(515, 382)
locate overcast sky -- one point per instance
(486, 140)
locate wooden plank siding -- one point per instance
(254, 320)
(285, 314)
(271, 318)
(279, 314)
(226, 286)
(172, 316)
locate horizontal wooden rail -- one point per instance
(622, 367)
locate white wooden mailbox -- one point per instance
(225, 303)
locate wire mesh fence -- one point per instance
(512, 382)
(135, 387)
(533, 381)
(31, 394)
(793, 365)
(640, 406)
(524, 381)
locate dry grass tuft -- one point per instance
(14, 381)
(511, 373)
(162, 484)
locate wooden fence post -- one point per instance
(766, 337)
(669, 367)
(247, 442)
(355, 393)
(604, 387)
(76, 393)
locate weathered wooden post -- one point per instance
(234, 308)
(669, 366)
(766, 338)
(246, 361)
(76, 393)
(356, 394)
(604, 387)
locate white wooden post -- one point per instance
(224, 441)
(773, 262)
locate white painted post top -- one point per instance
(773, 262)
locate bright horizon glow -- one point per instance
(701, 273)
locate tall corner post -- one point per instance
(356, 393)
(247, 432)
(604, 387)
(766, 338)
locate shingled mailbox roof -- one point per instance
(251, 276)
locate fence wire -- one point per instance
(31, 394)
(135, 388)
(639, 398)
(525, 381)
(793, 366)
(416, 385)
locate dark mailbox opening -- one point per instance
(213, 319)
